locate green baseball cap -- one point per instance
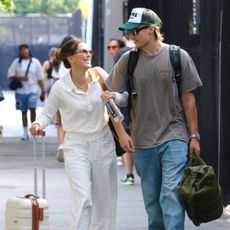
(139, 17)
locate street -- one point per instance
(16, 178)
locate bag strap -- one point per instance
(132, 62)
(94, 72)
(174, 54)
(27, 70)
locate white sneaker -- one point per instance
(60, 154)
(119, 161)
(25, 137)
(227, 211)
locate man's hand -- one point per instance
(194, 147)
(126, 143)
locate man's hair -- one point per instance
(158, 35)
(119, 41)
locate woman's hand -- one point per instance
(36, 129)
(106, 95)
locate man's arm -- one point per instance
(190, 111)
(125, 140)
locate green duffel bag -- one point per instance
(201, 192)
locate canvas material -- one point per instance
(202, 194)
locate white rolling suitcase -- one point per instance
(29, 212)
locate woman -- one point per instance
(89, 149)
(28, 71)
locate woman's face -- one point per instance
(82, 57)
(24, 52)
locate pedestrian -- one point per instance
(54, 70)
(50, 65)
(129, 44)
(127, 158)
(164, 123)
(28, 70)
(114, 45)
(89, 149)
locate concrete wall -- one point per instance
(113, 19)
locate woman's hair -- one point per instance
(20, 48)
(67, 47)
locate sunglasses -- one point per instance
(112, 47)
(136, 31)
(85, 51)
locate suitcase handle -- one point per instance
(36, 167)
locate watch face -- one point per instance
(195, 135)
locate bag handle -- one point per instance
(37, 212)
(194, 158)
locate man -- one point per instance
(114, 45)
(127, 158)
(27, 70)
(163, 120)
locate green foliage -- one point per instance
(7, 6)
(45, 6)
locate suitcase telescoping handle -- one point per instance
(35, 160)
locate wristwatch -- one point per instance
(195, 135)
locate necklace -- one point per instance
(83, 88)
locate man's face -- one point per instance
(141, 36)
(113, 47)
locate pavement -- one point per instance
(16, 178)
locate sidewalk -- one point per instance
(16, 179)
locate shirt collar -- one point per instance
(68, 83)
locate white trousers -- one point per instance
(90, 164)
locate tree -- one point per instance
(7, 6)
(45, 6)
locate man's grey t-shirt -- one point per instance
(156, 113)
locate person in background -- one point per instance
(54, 70)
(127, 157)
(60, 132)
(50, 66)
(114, 45)
(32, 84)
(164, 119)
(89, 149)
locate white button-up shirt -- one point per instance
(83, 113)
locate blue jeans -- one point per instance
(26, 101)
(160, 170)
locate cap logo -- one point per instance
(136, 16)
